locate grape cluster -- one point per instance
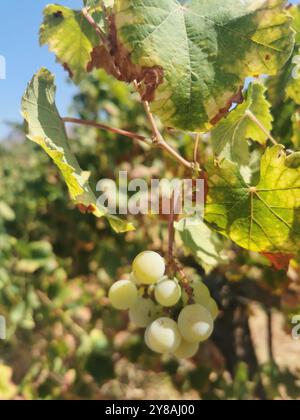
(176, 322)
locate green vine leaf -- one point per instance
(293, 82)
(296, 130)
(229, 137)
(294, 11)
(206, 245)
(70, 37)
(46, 128)
(204, 51)
(285, 85)
(262, 218)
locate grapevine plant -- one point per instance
(215, 74)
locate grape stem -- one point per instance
(158, 139)
(196, 148)
(89, 18)
(173, 266)
(171, 230)
(183, 279)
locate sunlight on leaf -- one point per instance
(261, 218)
(46, 128)
(205, 50)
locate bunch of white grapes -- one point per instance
(175, 322)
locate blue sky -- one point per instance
(19, 25)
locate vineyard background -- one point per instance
(64, 340)
(56, 266)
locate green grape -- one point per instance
(123, 294)
(201, 293)
(163, 336)
(134, 279)
(195, 323)
(213, 308)
(167, 292)
(143, 312)
(148, 267)
(186, 350)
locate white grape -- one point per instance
(167, 292)
(201, 293)
(163, 336)
(143, 312)
(147, 340)
(148, 267)
(123, 294)
(213, 308)
(186, 350)
(195, 323)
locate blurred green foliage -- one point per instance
(56, 265)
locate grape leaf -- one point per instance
(70, 37)
(293, 82)
(230, 135)
(97, 3)
(46, 128)
(294, 11)
(262, 218)
(296, 130)
(292, 89)
(287, 83)
(205, 245)
(204, 51)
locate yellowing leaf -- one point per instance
(230, 136)
(263, 217)
(46, 128)
(296, 130)
(202, 51)
(70, 37)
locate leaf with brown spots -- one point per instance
(205, 50)
(70, 37)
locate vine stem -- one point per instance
(113, 130)
(134, 136)
(261, 126)
(89, 18)
(196, 148)
(158, 139)
(171, 230)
